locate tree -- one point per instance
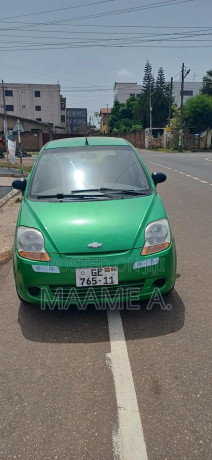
(198, 113)
(123, 116)
(148, 80)
(142, 110)
(161, 82)
(160, 108)
(207, 84)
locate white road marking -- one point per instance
(208, 159)
(180, 172)
(129, 440)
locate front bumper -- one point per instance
(59, 286)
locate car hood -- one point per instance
(69, 227)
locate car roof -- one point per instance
(81, 142)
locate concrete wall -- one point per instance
(136, 138)
(30, 142)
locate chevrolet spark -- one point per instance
(91, 226)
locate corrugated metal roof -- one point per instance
(105, 111)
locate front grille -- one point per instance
(63, 292)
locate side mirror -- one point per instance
(19, 184)
(158, 177)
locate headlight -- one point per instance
(30, 244)
(157, 237)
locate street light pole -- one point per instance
(170, 100)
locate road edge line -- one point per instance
(129, 438)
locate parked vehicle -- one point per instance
(24, 153)
(91, 218)
(1, 148)
(1, 153)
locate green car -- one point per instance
(92, 227)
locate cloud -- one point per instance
(124, 73)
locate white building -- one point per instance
(190, 89)
(36, 102)
(122, 91)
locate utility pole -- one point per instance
(150, 113)
(107, 120)
(184, 74)
(19, 144)
(170, 99)
(5, 117)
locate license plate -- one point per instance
(96, 276)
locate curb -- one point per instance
(13, 175)
(8, 197)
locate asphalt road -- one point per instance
(57, 382)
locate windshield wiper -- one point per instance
(61, 196)
(101, 190)
(116, 190)
(125, 191)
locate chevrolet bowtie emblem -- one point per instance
(95, 245)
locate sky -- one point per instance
(87, 45)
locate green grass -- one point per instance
(163, 150)
(5, 164)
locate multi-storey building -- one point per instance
(35, 102)
(76, 120)
(122, 91)
(104, 118)
(191, 88)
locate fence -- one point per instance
(136, 138)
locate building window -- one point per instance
(63, 118)
(38, 119)
(37, 93)
(8, 92)
(23, 106)
(9, 108)
(187, 93)
(36, 130)
(138, 95)
(38, 108)
(132, 94)
(63, 104)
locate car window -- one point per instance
(70, 169)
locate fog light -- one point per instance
(33, 290)
(159, 282)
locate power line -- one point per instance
(108, 26)
(159, 4)
(129, 35)
(58, 9)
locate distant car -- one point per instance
(91, 226)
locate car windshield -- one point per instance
(89, 170)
